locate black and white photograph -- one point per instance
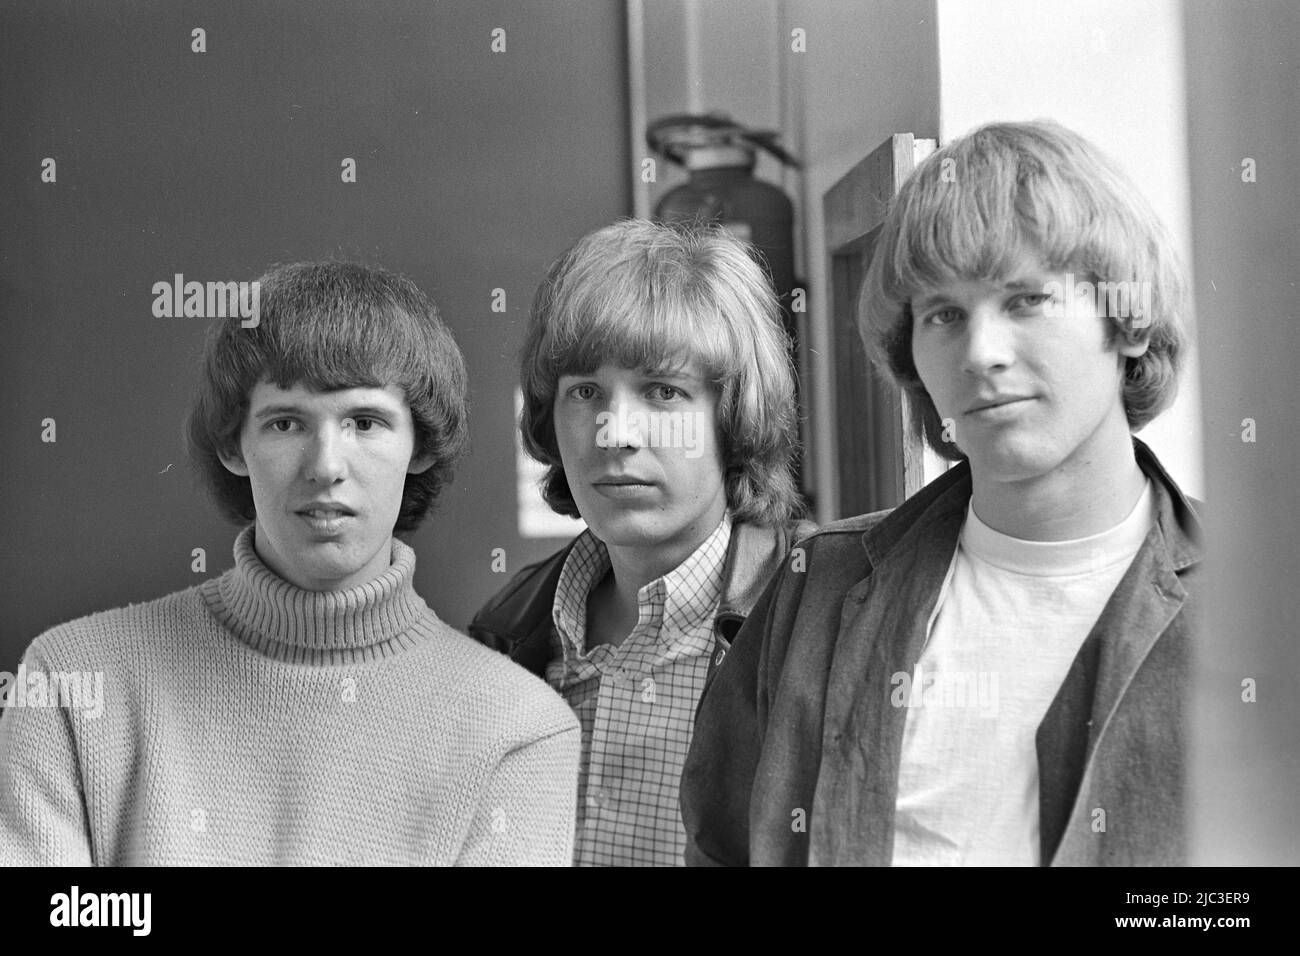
(650, 433)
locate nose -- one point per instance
(623, 426)
(989, 342)
(326, 462)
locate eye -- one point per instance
(1029, 301)
(288, 424)
(584, 392)
(665, 393)
(943, 317)
(367, 423)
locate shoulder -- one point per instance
(857, 525)
(497, 691)
(822, 567)
(114, 634)
(843, 538)
(514, 611)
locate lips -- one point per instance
(996, 401)
(617, 480)
(326, 510)
(625, 489)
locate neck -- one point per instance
(1092, 491)
(631, 572)
(614, 601)
(292, 623)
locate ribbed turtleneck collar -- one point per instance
(282, 620)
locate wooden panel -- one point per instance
(870, 465)
(879, 454)
(860, 200)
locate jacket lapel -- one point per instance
(1143, 606)
(1061, 744)
(753, 558)
(882, 634)
(1139, 612)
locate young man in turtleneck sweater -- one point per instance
(305, 707)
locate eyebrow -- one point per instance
(1032, 282)
(270, 410)
(925, 302)
(680, 375)
(1029, 282)
(355, 411)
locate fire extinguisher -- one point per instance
(719, 156)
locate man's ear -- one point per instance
(418, 466)
(234, 463)
(1131, 346)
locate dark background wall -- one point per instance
(474, 170)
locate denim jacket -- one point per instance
(796, 752)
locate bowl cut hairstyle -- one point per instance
(970, 207)
(656, 296)
(329, 326)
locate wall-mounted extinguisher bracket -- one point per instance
(719, 157)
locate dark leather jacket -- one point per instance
(518, 621)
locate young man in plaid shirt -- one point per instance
(659, 392)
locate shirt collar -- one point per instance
(675, 605)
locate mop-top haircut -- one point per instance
(652, 296)
(969, 208)
(330, 326)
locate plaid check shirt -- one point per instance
(636, 702)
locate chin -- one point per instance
(330, 572)
(629, 532)
(1017, 464)
(334, 558)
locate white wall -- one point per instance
(1112, 70)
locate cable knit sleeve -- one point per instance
(42, 812)
(526, 816)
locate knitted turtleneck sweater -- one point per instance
(247, 721)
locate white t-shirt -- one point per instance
(1008, 624)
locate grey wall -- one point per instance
(475, 169)
(1242, 81)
